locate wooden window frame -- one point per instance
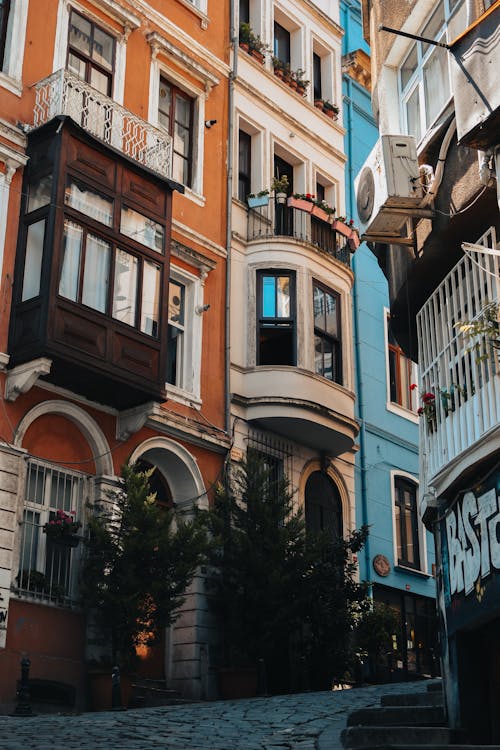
(244, 177)
(400, 360)
(90, 63)
(175, 92)
(402, 485)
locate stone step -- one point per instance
(377, 736)
(437, 687)
(398, 716)
(152, 693)
(413, 699)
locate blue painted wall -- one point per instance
(388, 441)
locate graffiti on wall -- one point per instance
(473, 537)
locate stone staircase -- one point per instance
(405, 722)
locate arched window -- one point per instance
(158, 484)
(323, 506)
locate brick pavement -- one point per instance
(305, 721)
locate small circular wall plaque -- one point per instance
(381, 565)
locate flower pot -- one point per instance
(238, 682)
(258, 201)
(278, 72)
(318, 103)
(354, 241)
(301, 204)
(329, 113)
(320, 213)
(257, 55)
(301, 90)
(244, 46)
(65, 540)
(280, 198)
(344, 229)
(293, 84)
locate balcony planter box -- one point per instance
(354, 241)
(257, 55)
(301, 204)
(258, 201)
(320, 213)
(344, 229)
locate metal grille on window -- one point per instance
(276, 454)
(47, 569)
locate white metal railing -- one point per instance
(63, 93)
(464, 382)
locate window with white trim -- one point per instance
(424, 75)
(184, 335)
(176, 116)
(48, 566)
(13, 19)
(407, 531)
(401, 374)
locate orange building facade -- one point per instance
(113, 277)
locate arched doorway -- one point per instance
(323, 506)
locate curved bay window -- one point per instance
(276, 318)
(327, 340)
(323, 506)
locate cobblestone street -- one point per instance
(306, 721)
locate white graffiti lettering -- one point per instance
(473, 536)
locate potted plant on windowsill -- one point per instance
(330, 110)
(258, 200)
(252, 43)
(280, 187)
(62, 529)
(302, 84)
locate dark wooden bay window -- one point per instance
(91, 289)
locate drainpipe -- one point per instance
(229, 204)
(350, 210)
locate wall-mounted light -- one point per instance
(201, 309)
(209, 123)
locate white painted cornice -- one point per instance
(11, 133)
(160, 44)
(199, 238)
(179, 35)
(23, 377)
(118, 12)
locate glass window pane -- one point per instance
(33, 260)
(76, 66)
(125, 289)
(399, 544)
(35, 487)
(182, 140)
(79, 33)
(142, 229)
(103, 48)
(182, 110)
(458, 22)
(100, 81)
(409, 67)
(283, 297)
(328, 360)
(331, 314)
(150, 299)
(410, 552)
(164, 104)
(176, 303)
(174, 356)
(96, 273)
(436, 84)
(70, 271)
(413, 114)
(319, 308)
(89, 202)
(268, 297)
(39, 193)
(318, 355)
(180, 169)
(433, 27)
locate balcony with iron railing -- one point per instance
(281, 220)
(63, 93)
(460, 376)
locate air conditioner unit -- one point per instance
(388, 183)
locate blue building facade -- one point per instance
(398, 559)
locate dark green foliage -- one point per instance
(374, 636)
(138, 564)
(280, 594)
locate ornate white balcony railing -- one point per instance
(63, 93)
(464, 382)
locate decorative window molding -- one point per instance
(13, 58)
(199, 8)
(12, 160)
(172, 52)
(128, 21)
